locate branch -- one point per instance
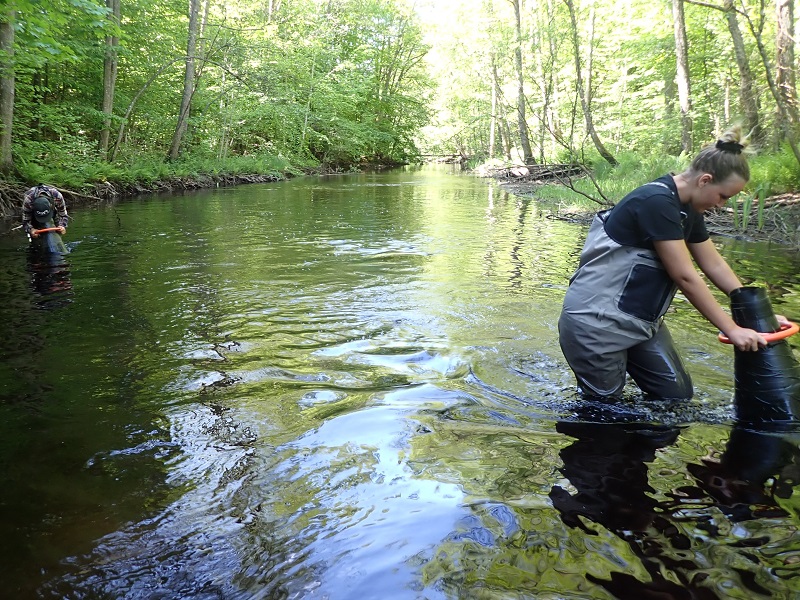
(716, 7)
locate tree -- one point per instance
(747, 85)
(545, 53)
(786, 116)
(188, 80)
(522, 123)
(585, 93)
(682, 75)
(7, 87)
(784, 59)
(110, 73)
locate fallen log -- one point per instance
(537, 172)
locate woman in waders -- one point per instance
(636, 256)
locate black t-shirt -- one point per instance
(653, 212)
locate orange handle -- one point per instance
(785, 331)
(47, 229)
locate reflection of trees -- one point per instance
(518, 243)
(617, 527)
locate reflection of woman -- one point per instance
(607, 465)
(636, 256)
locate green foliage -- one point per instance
(336, 83)
(150, 169)
(344, 83)
(779, 171)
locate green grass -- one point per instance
(613, 181)
(779, 171)
(144, 170)
(769, 174)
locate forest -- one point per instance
(99, 98)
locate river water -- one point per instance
(351, 387)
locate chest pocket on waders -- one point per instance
(647, 291)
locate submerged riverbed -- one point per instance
(351, 387)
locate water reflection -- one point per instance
(756, 471)
(608, 468)
(50, 277)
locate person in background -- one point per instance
(636, 256)
(43, 206)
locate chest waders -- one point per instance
(623, 285)
(612, 322)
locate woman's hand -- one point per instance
(782, 320)
(746, 339)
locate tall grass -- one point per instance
(742, 208)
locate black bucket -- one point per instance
(767, 381)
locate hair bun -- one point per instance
(734, 147)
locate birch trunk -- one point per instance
(682, 77)
(585, 95)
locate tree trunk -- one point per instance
(585, 95)
(784, 60)
(109, 75)
(505, 138)
(525, 142)
(132, 105)
(682, 78)
(7, 88)
(188, 80)
(493, 119)
(545, 53)
(747, 91)
(784, 114)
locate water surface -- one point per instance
(351, 387)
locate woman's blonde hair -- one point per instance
(725, 157)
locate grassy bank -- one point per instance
(98, 181)
(768, 208)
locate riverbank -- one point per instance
(11, 192)
(779, 223)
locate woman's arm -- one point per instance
(718, 270)
(715, 267)
(677, 261)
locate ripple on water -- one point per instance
(364, 399)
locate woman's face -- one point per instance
(711, 194)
